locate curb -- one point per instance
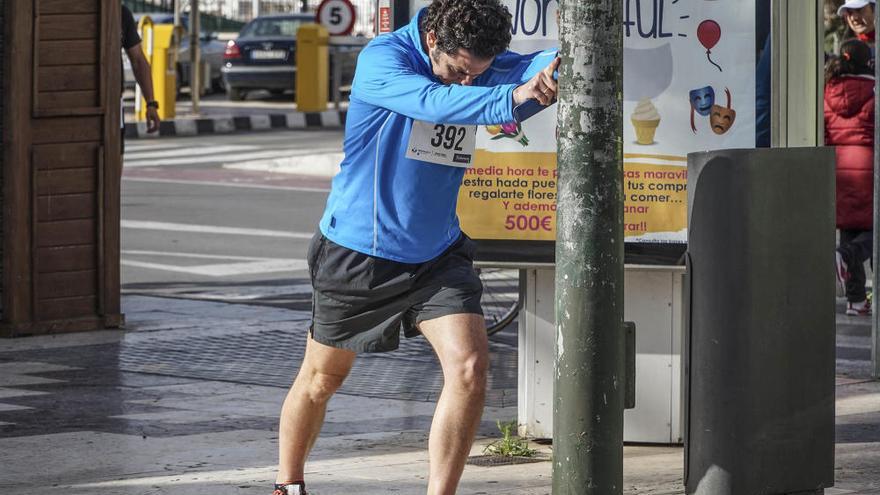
(331, 119)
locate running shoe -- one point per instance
(298, 488)
(859, 308)
(841, 270)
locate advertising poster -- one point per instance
(689, 85)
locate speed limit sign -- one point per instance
(337, 16)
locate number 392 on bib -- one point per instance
(444, 144)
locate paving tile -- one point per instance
(354, 408)
(178, 416)
(6, 393)
(61, 341)
(12, 407)
(30, 368)
(226, 404)
(858, 404)
(189, 403)
(88, 457)
(24, 380)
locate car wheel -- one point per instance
(234, 94)
(217, 85)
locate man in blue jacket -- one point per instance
(389, 255)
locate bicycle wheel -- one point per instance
(500, 301)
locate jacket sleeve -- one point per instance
(514, 68)
(385, 78)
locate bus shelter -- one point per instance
(698, 76)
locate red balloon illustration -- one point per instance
(709, 33)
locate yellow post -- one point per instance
(160, 44)
(312, 68)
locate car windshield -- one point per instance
(281, 26)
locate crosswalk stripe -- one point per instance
(226, 269)
(191, 159)
(200, 151)
(198, 256)
(229, 293)
(145, 145)
(227, 184)
(155, 153)
(211, 229)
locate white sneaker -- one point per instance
(859, 309)
(290, 489)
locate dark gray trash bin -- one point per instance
(759, 351)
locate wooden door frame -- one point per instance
(19, 171)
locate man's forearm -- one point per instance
(141, 70)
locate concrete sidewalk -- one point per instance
(186, 400)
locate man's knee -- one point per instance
(470, 372)
(319, 387)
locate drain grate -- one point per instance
(498, 460)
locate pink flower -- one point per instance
(510, 128)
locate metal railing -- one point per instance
(210, 19)
(150, 5)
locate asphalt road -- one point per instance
(194, 227)
(210, 217)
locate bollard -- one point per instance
(312, 68)
(760, 336)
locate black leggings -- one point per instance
(856, 247)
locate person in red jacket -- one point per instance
(849, 126)
(859, 17)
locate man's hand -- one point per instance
(152, 120)
(542, 87)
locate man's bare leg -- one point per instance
(462, 345)
(323, 370)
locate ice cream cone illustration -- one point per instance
(645, 120)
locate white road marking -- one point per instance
(191, 159)
(226, 269)
(162, 152)
(227, 184)
(171, 254)
(235, 293)
(211, 229)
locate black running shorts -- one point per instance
(362, 303)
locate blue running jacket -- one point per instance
(382, 203)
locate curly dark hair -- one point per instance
(854, 59)
(481, 27)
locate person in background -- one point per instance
(859, 16)
(131, 43)
(849, 127)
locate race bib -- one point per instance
(444, 144)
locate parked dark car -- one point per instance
(263, 57)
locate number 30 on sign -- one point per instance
(337, 16)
